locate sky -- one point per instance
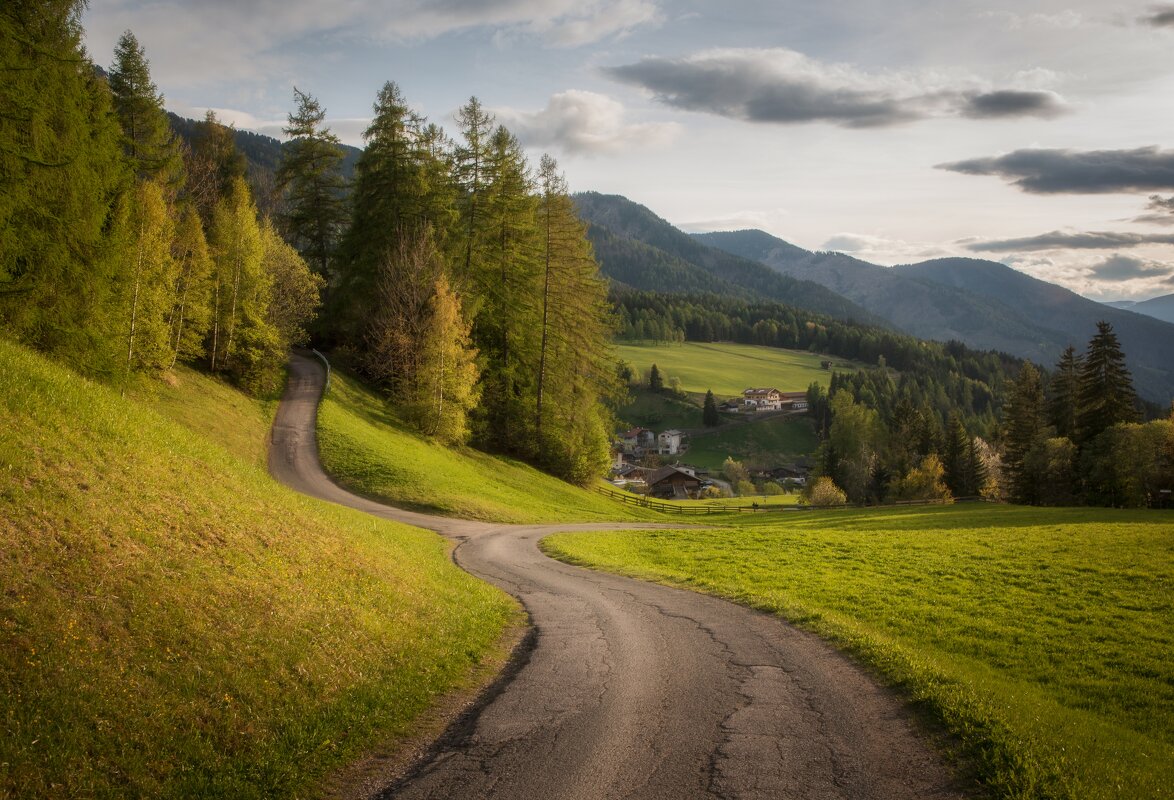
(1033, 133)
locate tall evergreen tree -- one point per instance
(469, 167)
(1064, 393)
(147, 137)
(63, 177)
(310, 173)
(1025, 430)
(1106, 388)
(709, 415)
(655, 381)
(211, 165)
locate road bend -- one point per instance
(634, 690)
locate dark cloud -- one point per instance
(1069, 171)
(1159, 17)
(1097, 240)
(1161, 211)
(1012, 103)
(744, 88)
(783, 86)
(1126, 268)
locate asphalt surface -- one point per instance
(634, 690)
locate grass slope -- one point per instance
(174, 624)
(366, 449)
(763, 443)
(1041, 637)
(727, 368)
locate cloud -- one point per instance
(1056, 240)
(584, 123)
(1127, 268)
(1077, 172)
(1014, 103)
(786, 87)
(1161, 211)
(1159, 17)
(885, 250)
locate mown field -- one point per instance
(1043, 638)
(174, 624)
(366, 449)
(727, 368)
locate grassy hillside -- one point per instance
(727, 368)
(765, 443)
(367, 450)
(174, 624)
(1041, 637)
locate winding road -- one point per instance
(634, 690)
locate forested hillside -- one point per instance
(982, 303)
(624, 231)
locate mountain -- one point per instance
(263, 153)
(984, 304)
(637, 248)
(1158, 307)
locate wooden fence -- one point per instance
(702, 507)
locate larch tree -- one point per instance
(575, 360)
(237, 254)
(311, 177)
(191, 299)
(506, 329)
(445, 387)
(295, 290)
(150, 273)
(469, 169)
(1106, 387)
(147, 137)
(212, 163)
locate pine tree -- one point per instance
(655, 381)
(63, 179)
(470, 167)
(709, 415)
(1064, 393)
(147, 137)
(310, 173)
(1106, 388)
(211, 165)
(1024, 431)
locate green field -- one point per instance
(366, 449)
(1043, 638)
(727, 368)
(175, 624)
(763, 443)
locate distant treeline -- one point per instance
(939, 420)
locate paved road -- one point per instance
(634, 690)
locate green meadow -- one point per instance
(760, 443)
(365, 448)
(1043, 639)
(727, 368)
(174, 624)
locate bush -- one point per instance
(823, 493)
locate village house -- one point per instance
(795, 401)
(671, 482)
(762, 399)
(670, 443)
(637, 440)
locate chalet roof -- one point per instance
(672, 432)
(759, 392)
(667, 472)
(634, 433)
(795, 395)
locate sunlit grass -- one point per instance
(1043, 638)
(174, 624)
(366, 449)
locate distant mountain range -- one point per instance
(639, 249)
(981, 303)
(1158, 307)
